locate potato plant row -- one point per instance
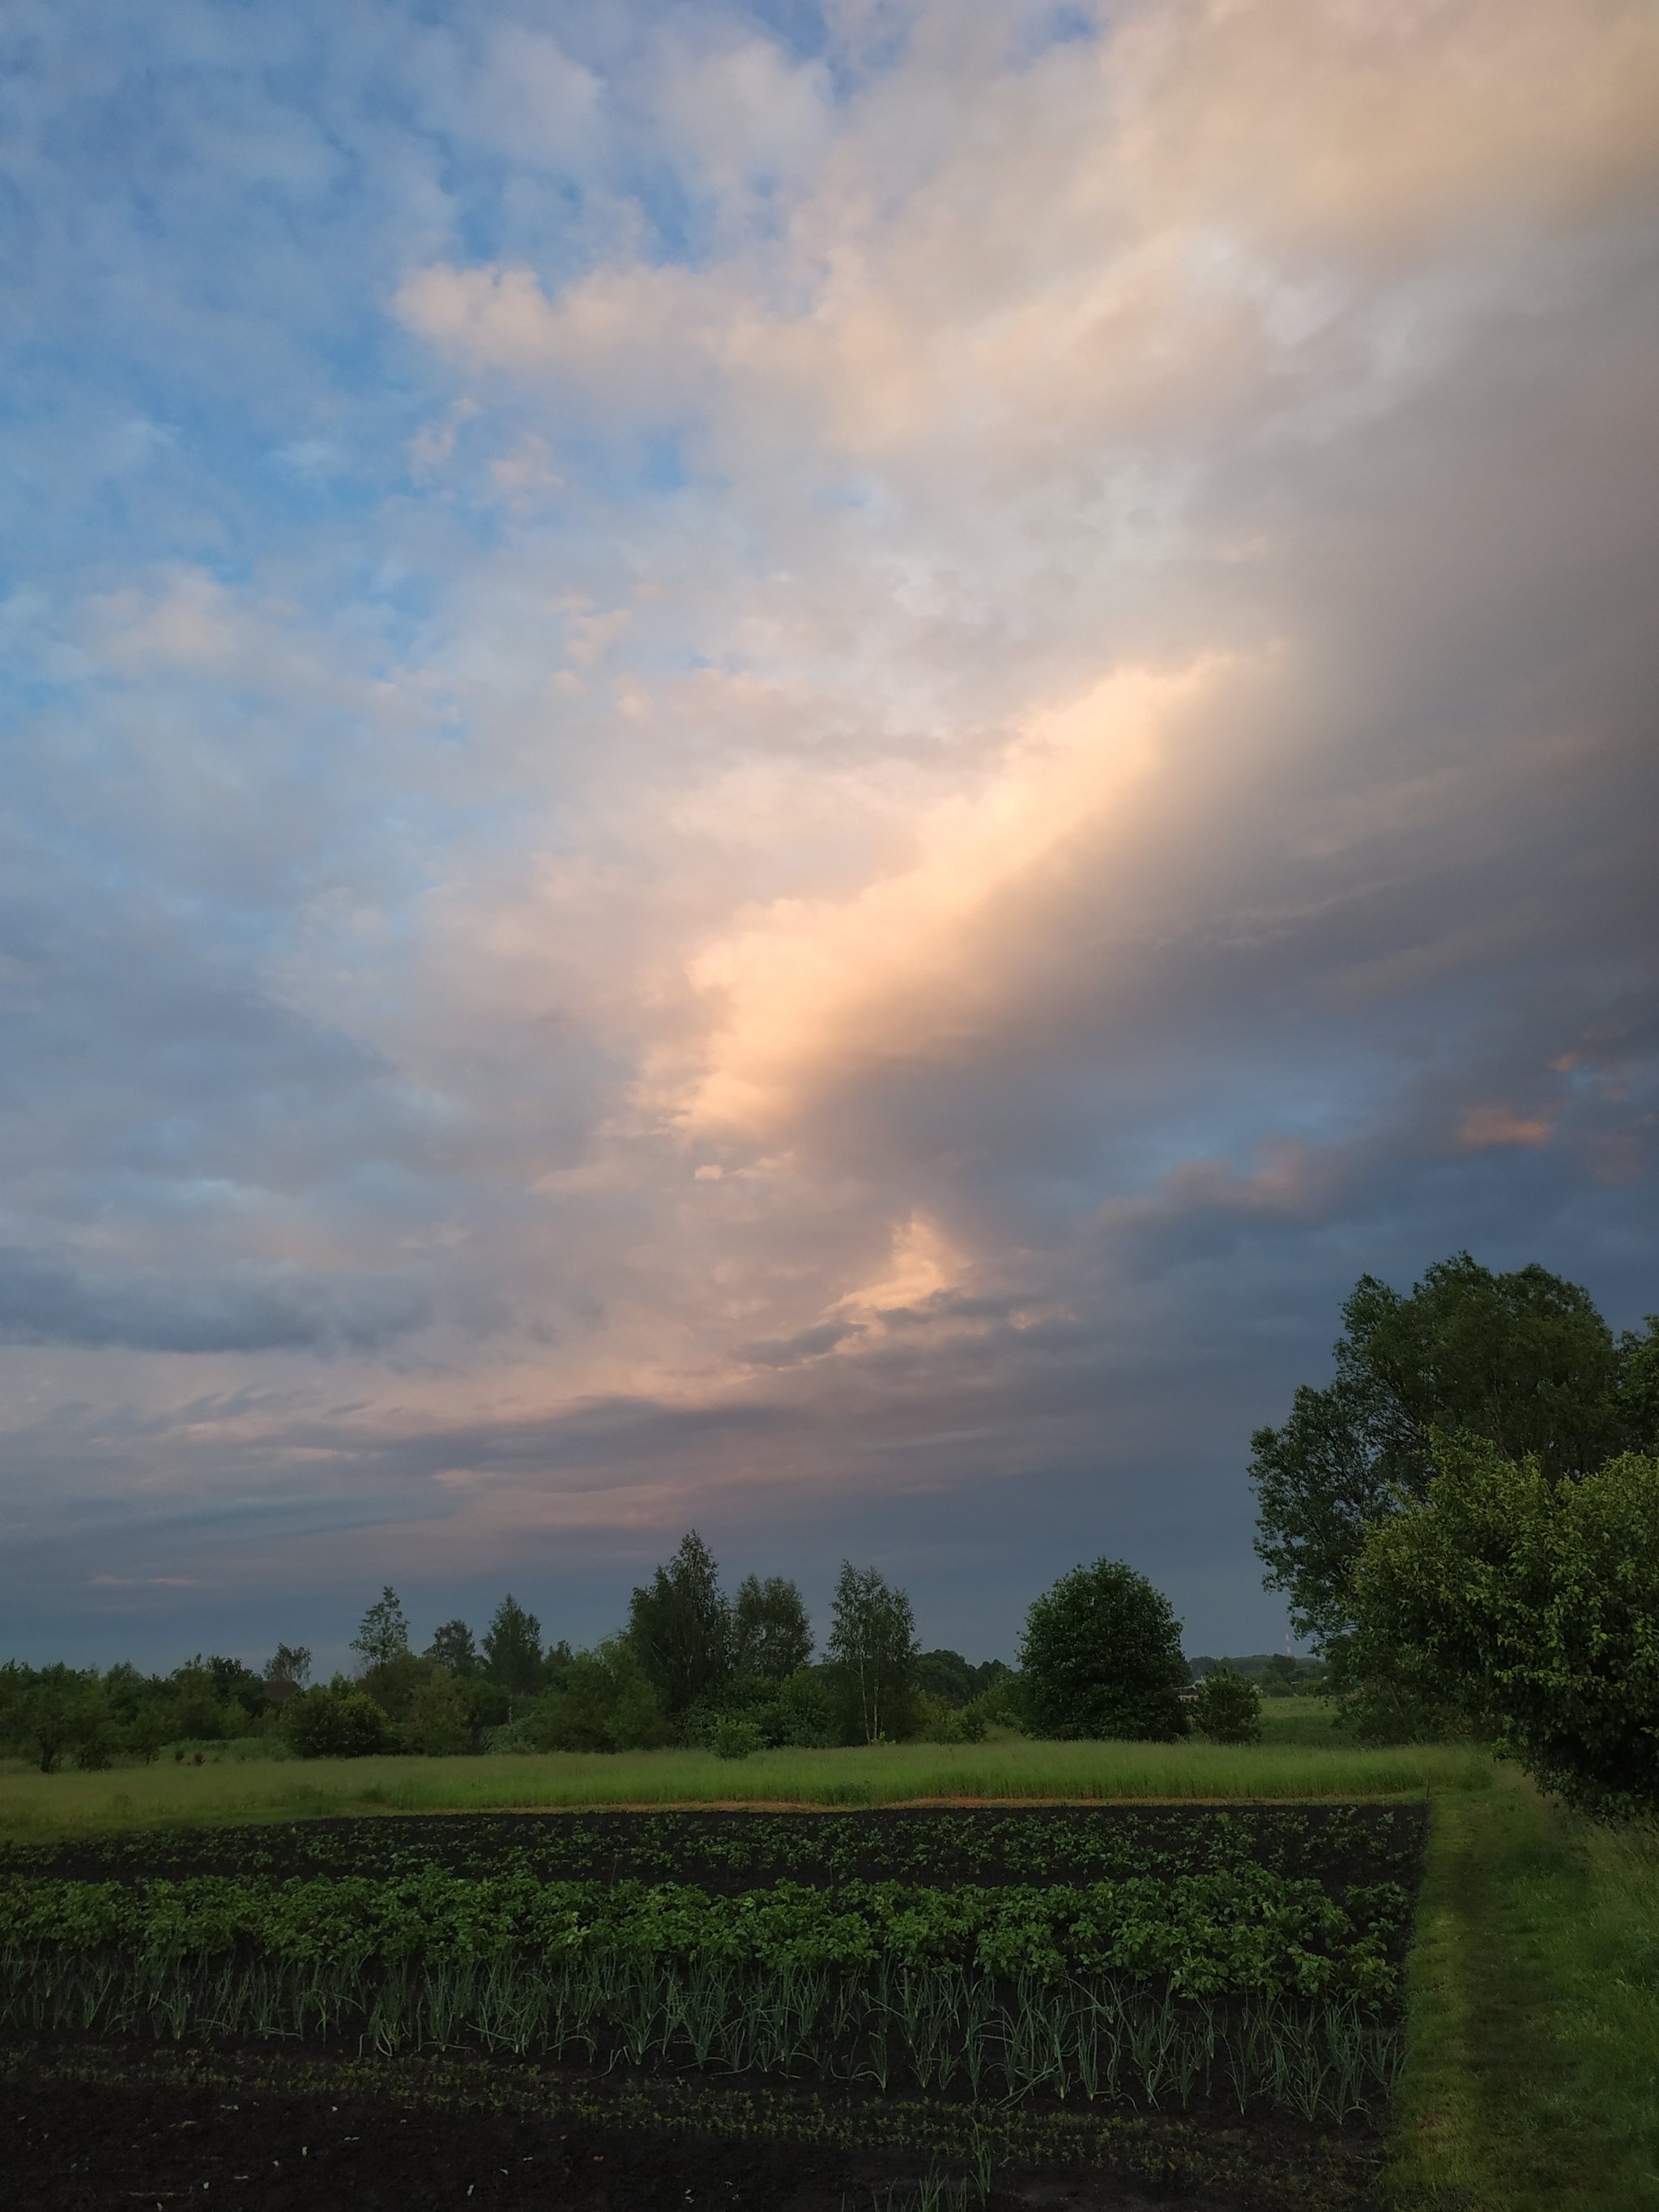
(1335, 1844)
(1247, 1930)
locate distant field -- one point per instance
(1300, 1720)
(35, 1808)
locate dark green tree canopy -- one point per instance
(1101, 1656)
(453, 1647)
(680, 1625)
(1523, 1359)
(770, 1632)
(1530, 1605)
(513, 1649)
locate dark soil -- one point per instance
(117, 2129)
(729, 1850)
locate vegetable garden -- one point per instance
(1217, 1968)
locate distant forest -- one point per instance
(691, 1666)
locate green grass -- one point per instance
(37, 1807)
(1532, 2078)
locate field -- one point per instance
(1302, 1767)
(1129, 1974)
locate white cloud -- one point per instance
(952, 682)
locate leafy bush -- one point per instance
(732, 1739)
(1531, 1606)
(339, 1722)
(1226, 1708)
(1101, 1656)
(1002, 1705)
(605, 1703)
(795, 1712)
(940, 1723)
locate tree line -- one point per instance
(691, 1666)
(1466, 1521)
(1100, 1657)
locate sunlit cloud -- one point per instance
(767, 773)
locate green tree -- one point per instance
(680, 1625)
(1101, 1656)
(238, 1687)
(60, 1711)
(198, 1712)
(1530, 1605)
(947, 1676)
(453, 1648)
(1226, 1708)
(290, 1662)
(1638, 1377)
(1523, 1359)
(771, 1634)
(872, 1649)
(384, 1635)
(512, 1651)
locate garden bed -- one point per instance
(1202, 2001)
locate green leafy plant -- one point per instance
(1226, 1708)
(734, 1739)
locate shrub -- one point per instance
(339, 1722)
(604, 1703)
(1101, 1656)
(795, 1711)
(941, 1722)
(1226, 1708)
(730, 1739)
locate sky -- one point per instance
(789, 770)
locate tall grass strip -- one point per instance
(37, 1807)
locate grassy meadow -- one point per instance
(40, 1808)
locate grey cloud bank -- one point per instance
(797, 783)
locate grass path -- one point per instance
(1532, 2083)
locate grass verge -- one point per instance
(42, 1808)
(1532, 2073)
